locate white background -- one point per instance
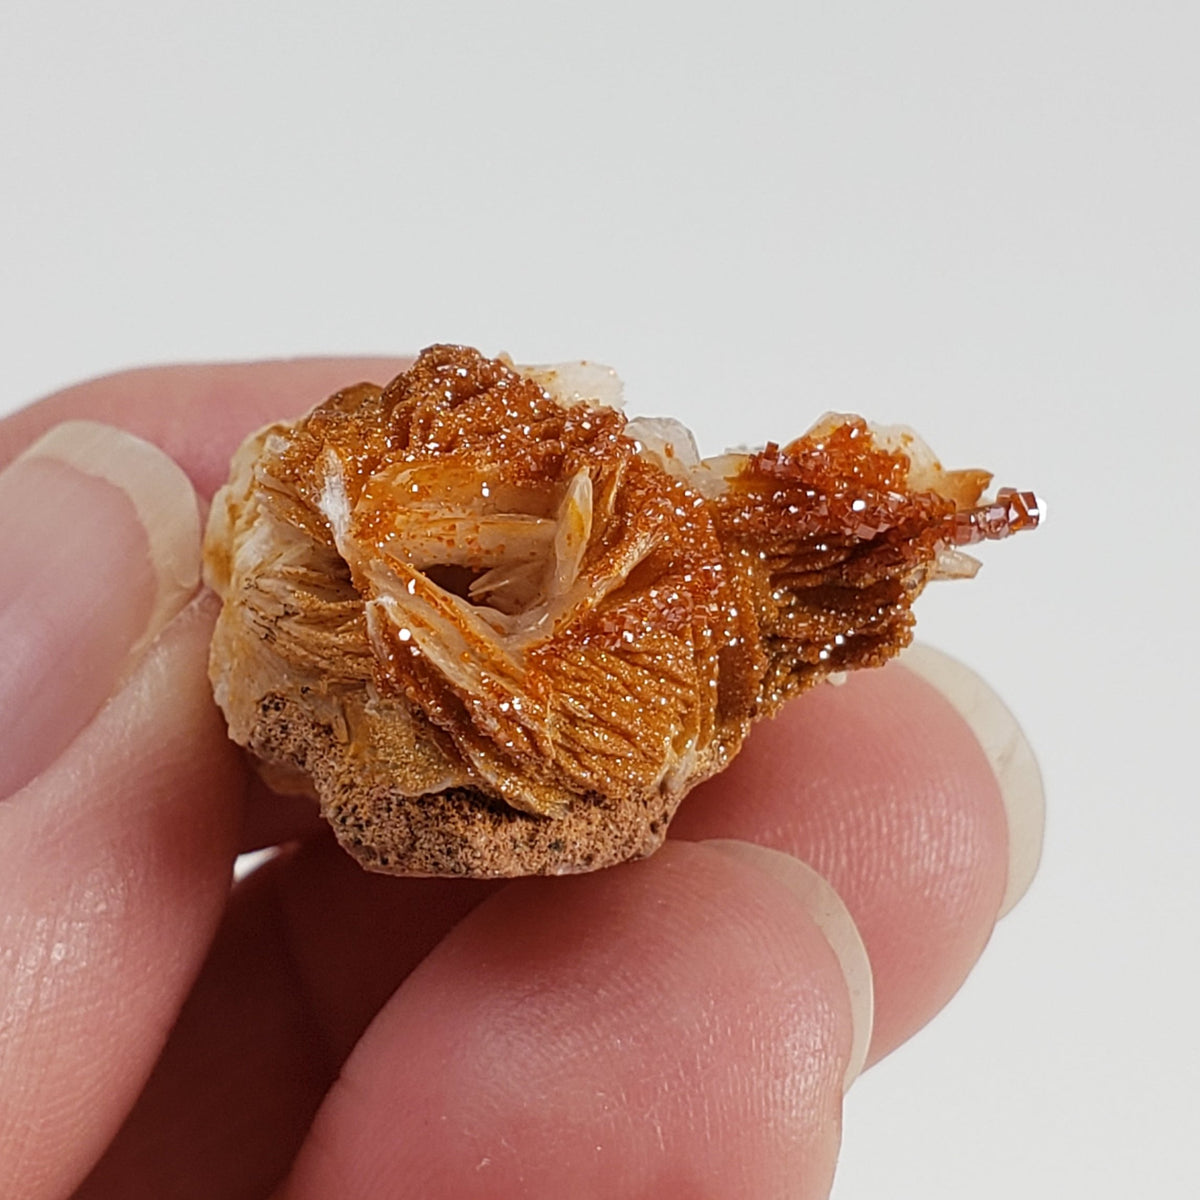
(980, 219)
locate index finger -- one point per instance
(198, 414)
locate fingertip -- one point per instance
(1008, 752)
(827, 909)
(676, 1026)
(102, 552)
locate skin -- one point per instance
(676, 1026)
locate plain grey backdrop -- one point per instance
(979, 219)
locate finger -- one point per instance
(117, 865)
(116, 846)
(885, 788)
(679, 1026)
(310, 949)
(1008, 753)
(198, 414)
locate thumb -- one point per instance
(118, 815)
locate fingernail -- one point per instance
(1007, 750)
(100, 545)
(833, 919)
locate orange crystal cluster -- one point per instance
(478, 586)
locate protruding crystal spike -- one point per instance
(1010, 512)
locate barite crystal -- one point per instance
(497, 629)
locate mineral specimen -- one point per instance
(497, 629)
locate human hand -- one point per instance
(675, 1027)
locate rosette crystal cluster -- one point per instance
(496, 628)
